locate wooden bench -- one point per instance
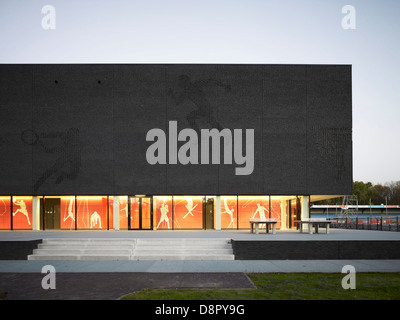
(314, 222)
(256, 221)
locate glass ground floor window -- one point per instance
(200, 212)
(162, 212)
(236, 211)
(178, 212)
(5, 212)
(16, 212)
(146, 212)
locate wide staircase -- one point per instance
(84, 249)
(133, 249)
(183, 249)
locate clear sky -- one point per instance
(229, 31)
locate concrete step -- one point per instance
(184, 257)
(162, 251)
(88, 242)
(84, 246)
(84, 249)
(78, 257)
(183, 249)
(101, 251)
(176, 243)
(192, 241)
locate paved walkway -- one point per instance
(111, 286)
(281, 235)
(21, 279)
(202, 266)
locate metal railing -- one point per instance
(367, 223)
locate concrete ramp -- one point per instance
(133, 249)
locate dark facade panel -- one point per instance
(284, 129)
(72, 113)
(315, 250)
(191, 101)
(81, 129)
(17, 250)
(139, 106)
(240, 104)
(16, 135)
(329, 130)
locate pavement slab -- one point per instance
(111, 285)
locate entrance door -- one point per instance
(140, 213)
(52, 213)
(209, 216)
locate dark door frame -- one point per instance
(43, 215)
(140, 213)
(205, 214)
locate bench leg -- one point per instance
(274, 228)
(251, 228)
(327, 228)
(256, 228)
(316, 227)
(310, 228)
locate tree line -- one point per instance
(367, 193)
(378, 193)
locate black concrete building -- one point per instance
(71, 133)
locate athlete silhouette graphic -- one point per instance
(194, 92)
(164, 215)
(230, 212)
(95, 219)
(189, 206)
(68, 162)
(22, 209)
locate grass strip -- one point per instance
(289, 286)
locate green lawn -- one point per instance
(290, 286)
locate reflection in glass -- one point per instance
(276, 209)
(67, 208)
(135, 213)
(188, 212)
(5, 212)
(146, 213)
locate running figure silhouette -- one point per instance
(230, 212)
(70, 210)
(194, 92)
(67, 148)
